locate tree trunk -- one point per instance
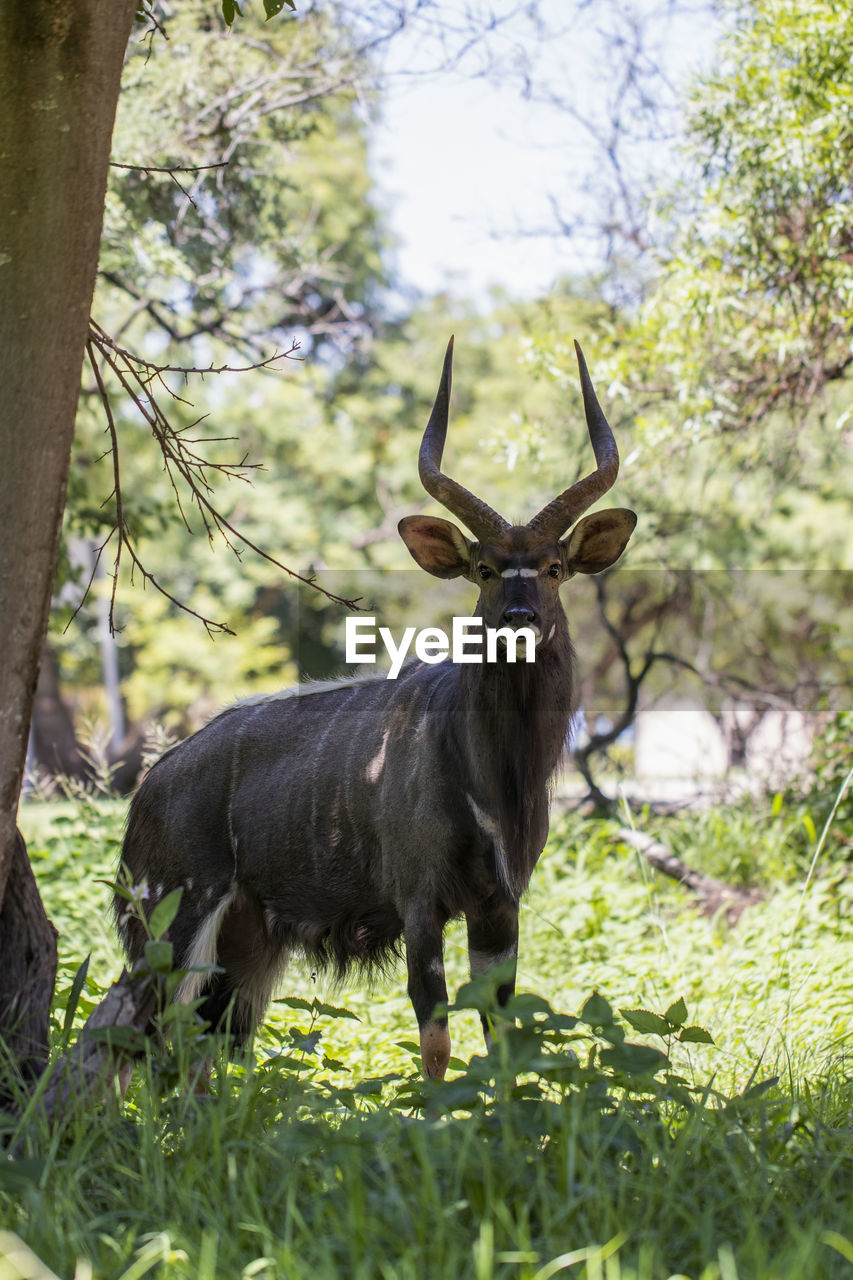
(53, 741)
(27, 966)
(60, 68)
(54, 748)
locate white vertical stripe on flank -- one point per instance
(203, 950)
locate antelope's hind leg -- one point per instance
(237, 939)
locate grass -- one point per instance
(324, 1155)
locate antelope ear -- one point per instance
(597, 541)
(437, 545)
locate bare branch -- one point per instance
(172, 171)
(137, 362)
(188, 471)
(169, 168)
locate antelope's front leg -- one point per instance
(493, 940)
(427, 989)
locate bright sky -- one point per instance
(465, 164)
(458, 174)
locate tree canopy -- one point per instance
(726, 386)
(226, 237)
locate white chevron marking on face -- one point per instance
(519, 573)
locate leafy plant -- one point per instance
(614, 1135)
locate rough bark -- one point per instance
(60, 67)
(28, 967)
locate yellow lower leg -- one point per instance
(435, 1049)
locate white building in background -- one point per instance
(681, 749)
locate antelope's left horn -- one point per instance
(556, 518)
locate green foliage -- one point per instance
(729, 387)
(74, 846)
(231, 9)
(615, 1135)
(832, 762)
(735, 370)
(772, 126)
(220, 220)
(752, 313)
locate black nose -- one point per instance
(519, 617)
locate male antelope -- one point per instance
(334, 820)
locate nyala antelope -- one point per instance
(337, 820)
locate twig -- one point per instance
(136, 362)
(168, 168)
(146, 11)
(172, 171)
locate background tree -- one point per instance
(752, 311)
(734, 372)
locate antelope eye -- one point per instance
(554, 570)
(484, 571)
